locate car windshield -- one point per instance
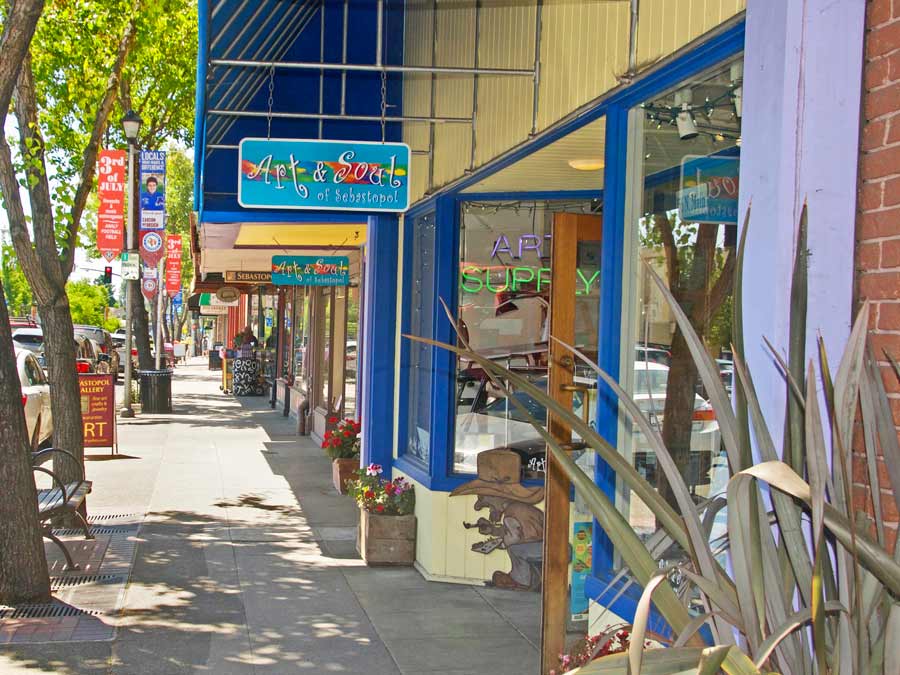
(29, 339)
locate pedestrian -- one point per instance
(248, 342)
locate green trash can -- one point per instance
(156, 391)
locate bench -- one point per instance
(61, 499)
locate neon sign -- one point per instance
(514, 279)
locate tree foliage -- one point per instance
(15, 286)
(88, 303)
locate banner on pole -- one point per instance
(111, 172)
(149, 282)
(173, 264)
(153, 205)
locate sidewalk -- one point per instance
(246, 563)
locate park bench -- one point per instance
(61, 499)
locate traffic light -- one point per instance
(107, 275)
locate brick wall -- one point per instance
(878, 220)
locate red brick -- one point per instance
(876, 224)
(881, 162)
(884, 341)
(891, 192)
(890, 538)
(876, 73)
(883, 39)
(889, 317)
(870, 196)
(893, 67)
(861, 500)
(893, 134)
(868, 256)
(873, 134)
(883, 101)
(889, 506)
(877, 12)
(895, 410)
(889, 377)
(890, 253)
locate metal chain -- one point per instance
(271, 100)
(383, 102)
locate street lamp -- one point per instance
(131, 123)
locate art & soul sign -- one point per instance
(323, 175)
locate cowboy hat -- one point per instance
(499, 475)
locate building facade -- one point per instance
(563, 154)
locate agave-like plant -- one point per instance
(812, 586)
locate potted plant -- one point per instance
(387, 525)
(342, 445)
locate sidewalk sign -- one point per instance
(98, 411)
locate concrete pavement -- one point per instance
(246, 563)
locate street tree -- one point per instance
(23, 568)
(64, 94)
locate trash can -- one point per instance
(156, 391)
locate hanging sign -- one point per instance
(211, 300)
(151, 246)
(248, 277)
(173, 264)
(307, 270)
(98, 405)
(323, 175)
(177, 300)
(149, 282)
(709, 189)
(110, 194)
(130, 265)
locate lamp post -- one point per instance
(132, 126)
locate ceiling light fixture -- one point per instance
(687, 127)
(587, 164)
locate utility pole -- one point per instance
(132, 124)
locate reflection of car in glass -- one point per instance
(107, 359)
(35, 398)
(652, 354)
(493, 421)
(85, 355)
(350, 357)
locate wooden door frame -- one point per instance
(568, 230)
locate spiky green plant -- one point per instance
(811, 588)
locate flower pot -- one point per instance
(386, 540)
(341, 471)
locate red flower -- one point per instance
(328, 434)
(389, 488)
(335, 442)
(325, 442)
(379, 507)
(332, 420)
(348, 434)
(369, 494)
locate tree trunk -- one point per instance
(140, 328)
(678, 412)
(23, 566)
(59, 348)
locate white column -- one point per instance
(802, 87)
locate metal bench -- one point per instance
(61, 499)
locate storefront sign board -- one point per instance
(709, 189)
(111, 196)
(323, 175)
(581, 568)
(211, 300)
(306, 270)
(98, 410)
(248, 277)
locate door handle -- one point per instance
(570, 447)
(573, 387)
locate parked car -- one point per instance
(118, 340)
(106, 358)
(31, 339)
(86, 359)
(652, 354)
(35, 398)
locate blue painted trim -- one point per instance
(378, 354)
(200, 101)
(536, 195)
(213, 217)
(443, 383)
(718, 48)
(609, 329)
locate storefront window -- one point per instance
(287, 334)
(351, 352)
(504, 310)
(325, 307)
(300, 337)
(685, 230)
(422, 305)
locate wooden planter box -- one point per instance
(341, 471)
(386, 540)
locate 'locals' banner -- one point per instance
(173, 264)
(306, 270)
(323, 175)
(153, 205)
(110, 193)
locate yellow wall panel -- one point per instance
(665, 26)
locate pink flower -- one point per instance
(374, 470)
